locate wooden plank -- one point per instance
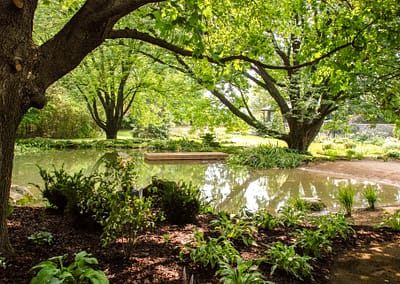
(185, 156)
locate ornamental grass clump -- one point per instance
(179, 202)
(371, 194)
(346, 196)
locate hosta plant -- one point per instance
(235, 228)
(291, 217)
(212, 251)
(55, 270)
(333, 225)
(243, 272)
(313, 242)
(41, 238)
(284, 257)
(266, 221)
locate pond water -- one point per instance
(226, 187)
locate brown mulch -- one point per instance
(155, 256)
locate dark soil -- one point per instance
(155, 257)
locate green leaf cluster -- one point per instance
(41, 238)
(284, 257)
(55, 270)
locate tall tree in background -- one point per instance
(304, 54)
(109, 80)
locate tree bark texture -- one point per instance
(18, 92)
(302, 134)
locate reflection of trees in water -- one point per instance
(109, 158)
(186, 172)
(25, 169)
(221, 182)
(268, 189)
(229, 188)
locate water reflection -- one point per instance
(226, 188)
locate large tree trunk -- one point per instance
(9, 120)
(301, 135)
(18, 58)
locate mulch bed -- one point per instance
(155, 256)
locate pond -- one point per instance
(225, 187)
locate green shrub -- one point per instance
(371, 194)
(307, 204)
(116, 204)
(332, 154)
(129, 215)
(346, 196)
(350, 153)
(393, 155)
(180, 202)
(327, 146)
(61, 118)
(209, 139)
(108, 199)
(300, 204)
(151, 131)
(54, 270)
(61, 189)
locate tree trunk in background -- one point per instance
(301, 135)
(111, 133)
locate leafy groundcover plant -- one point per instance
(41, 238)
(54, 270)
(284, 257)
(244, 272)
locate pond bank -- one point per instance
(377, 171)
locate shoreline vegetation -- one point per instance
(142, 238)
